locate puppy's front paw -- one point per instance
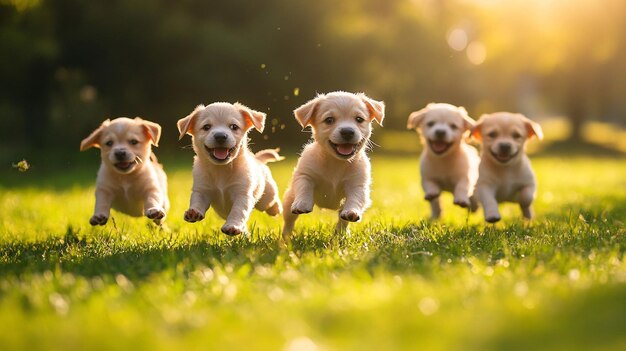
(431, 196)
(350, 215)
(155, 213)
(232, 230)
(493, 218)
(98, 219)
(300, 207)
(462, 202)
(192, 215)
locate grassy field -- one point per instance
(397, 282)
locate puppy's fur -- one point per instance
(130, 179)
(334, 170)
(447, 163)
(505, 173)
(226, 174)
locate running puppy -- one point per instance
(130, 178)
(447, 163)
(226, 174)
(505, 173)
(334, 170)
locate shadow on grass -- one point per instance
(589, 320)
(411, 248)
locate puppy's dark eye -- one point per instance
(359, 119)
(234, 127)
(516, 135)
(454, 127)
(133, 142)
(430, 124)
(109, 143)
(329, 120)
(206, 127)
(492, 134)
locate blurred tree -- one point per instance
(73, 62)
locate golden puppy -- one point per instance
(505, 173)
(130, 179)
(225, 173)
(334, 170)
(447, 163)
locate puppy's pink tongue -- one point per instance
(438, 146)
(345, 149)
(220, 153)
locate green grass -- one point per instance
(397, 282)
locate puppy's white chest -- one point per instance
(128, 199)
(329, 194)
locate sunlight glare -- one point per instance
(476, 52)
(457, 39)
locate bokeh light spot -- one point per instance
(476, 52)
(457, 39)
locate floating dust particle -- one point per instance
(22, 166)
(263, 66)
(296, 91)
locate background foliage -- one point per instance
(65, 65)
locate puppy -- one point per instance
(225, 173)
(130, 179)
(447, 163)
(505, 173)
(334, 170)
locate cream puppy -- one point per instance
(130, 179)
(226, 174)
(333, 171)
(505, 173)
(447, 163)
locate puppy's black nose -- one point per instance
(347, 133)
(505, 148)
(440, 133)
(220, 138)
(120, 155)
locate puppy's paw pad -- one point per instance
(493, 219)
(98, 220)
(191, 216)
(350, 216)
(301, 208)
(465, 203)
(155, 213)
(232, 230)
(431, 196)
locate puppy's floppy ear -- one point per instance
(475, 132)
(93, 140)
(252, 117)
(184, 124)
(305, 113)
(468, 122)
(532, 128)
(416, 118)
(151, 129)
(376, 108)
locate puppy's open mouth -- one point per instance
(220, 154)
(439, 146)
(346, 150)
(503, 157)
(125, 166)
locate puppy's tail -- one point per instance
(269, 155)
